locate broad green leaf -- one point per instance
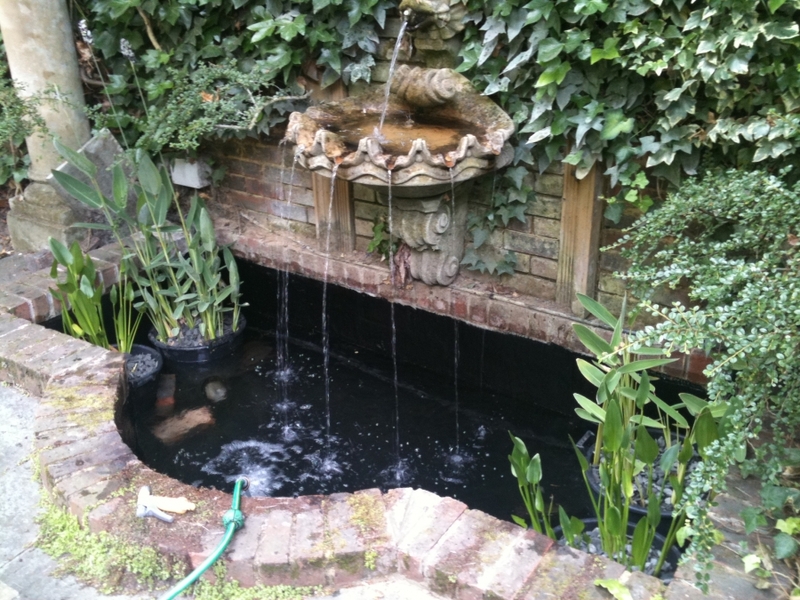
(693, 404)
(751, 562)
(592, 341)
(534, 471)
(785, 546)
(554, 74)
(616, 123)
(76, 159)
(592, 374)
(705, 430)
(790, 525)
(613, 521)
(519, 521)
(646, 448)
(598, 310)
(149, 177)
(640, 545)
(591, 407)
(643, 392)
(79, 190)
(775, 5)
(648, 363)
(647, 422)
(613, 428)
(677, 417)
(668, 458)
(207, 231)
(120, 187)
(60, 252)
(615, 588)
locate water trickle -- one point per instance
(329, 461)
(391, 74)
(455, 384)
(400, 471)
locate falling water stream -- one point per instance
(391, 72)
(329, 464)
(455, 383)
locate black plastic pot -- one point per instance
(140, 373)
(673, 556)
(593, 476)
(212, 350)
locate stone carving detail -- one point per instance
(436, 19)
(440, 133)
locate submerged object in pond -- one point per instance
(174, 429)
(215, 389)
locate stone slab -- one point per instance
(271, 559)
(480, 556)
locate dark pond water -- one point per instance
(272, 425)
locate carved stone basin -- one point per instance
(438, 133)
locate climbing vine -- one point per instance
(637, 84)
(147, 52)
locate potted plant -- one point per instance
(81, 296)
(177, 268)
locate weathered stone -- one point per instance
(481, 557)
(242, 551)
(425, 519)
(272, 555)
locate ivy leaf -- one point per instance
(751, 562)
(785, 546)
(479, 236)
(615, 124)
(608, 52)
(775, 5)
(753, 519)
(549, 49)
(553, 74)
(780, 30)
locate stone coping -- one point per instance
(333, 540)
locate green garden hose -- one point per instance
(233, 520)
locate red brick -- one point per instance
(246, 168)
(477, 309)
(460, 306)
(698, 362)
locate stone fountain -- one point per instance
(438, 134)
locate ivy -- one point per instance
(276, 43)
(510, 194)
(637, 85)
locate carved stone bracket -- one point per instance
(433, 228)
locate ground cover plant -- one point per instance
(730, 237)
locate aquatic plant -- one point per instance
(730, 239)
(177, 268)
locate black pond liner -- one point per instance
(273, 429)
(194, 352)
(670, 564)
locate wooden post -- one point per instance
(339, 204)
(580, 238)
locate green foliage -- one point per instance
(226, 589)
(510, 195)
(271, 43)
(126, 321)
(382, 241)
(18, 119)
(101, 559)
(528, 471)
(81, 294)
(638, 84)
(178, 286)
(729, 236)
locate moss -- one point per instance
(226, 589)
(85, 410)
(368, 517)
(351, 562)
(102, 559)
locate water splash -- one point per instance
(391, 74)
(258, 461)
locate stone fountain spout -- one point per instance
(440, 19)
(439, 135)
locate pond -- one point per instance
(445, 427)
